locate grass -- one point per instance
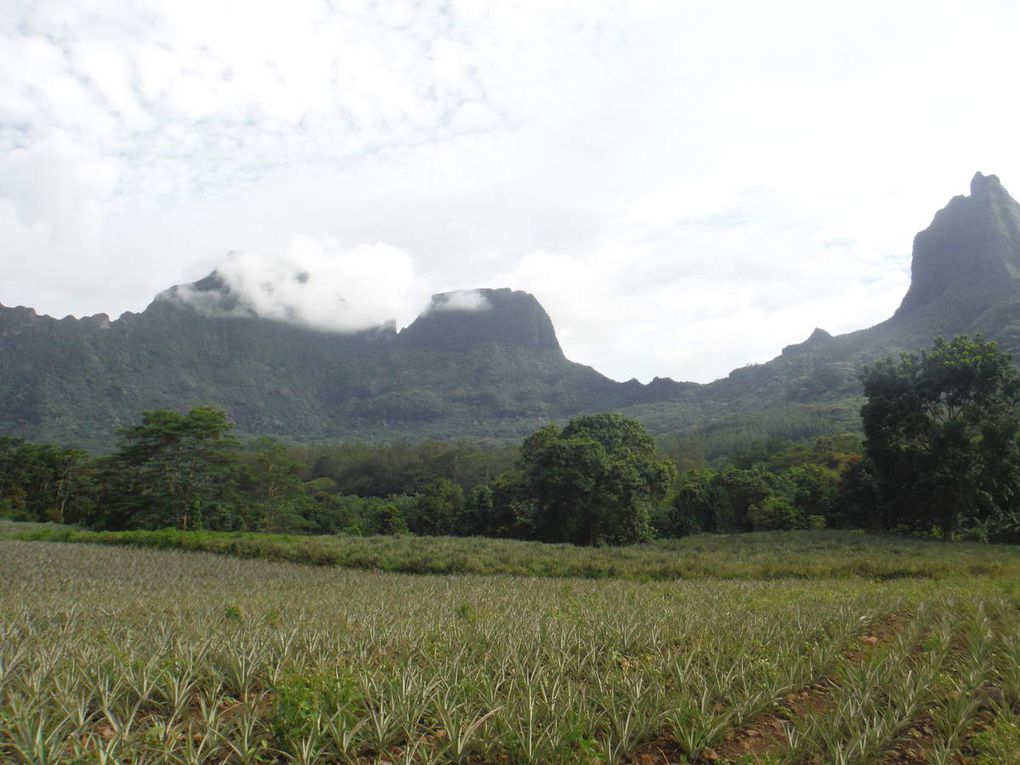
(763, 555)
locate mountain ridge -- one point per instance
(481, 363)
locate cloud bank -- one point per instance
(470, 301)
(316, 284)
(686, 187)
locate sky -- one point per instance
(686, 187)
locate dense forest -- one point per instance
(940, 456)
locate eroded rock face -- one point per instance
(460, 320)
(970, 252)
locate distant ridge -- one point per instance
(482, 363)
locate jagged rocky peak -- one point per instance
(971, 250)
(982, 184)
(209, 296)
(818, 337)
(459, 320)
(16, 319)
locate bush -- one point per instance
(774, 514)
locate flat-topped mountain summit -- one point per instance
(483, 363)
(500, 316)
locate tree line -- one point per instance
(940, 455)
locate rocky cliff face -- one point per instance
(461, 320)
(970, 254)
(965, 279)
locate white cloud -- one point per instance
(58, 181)
(321, 285)
(687, 187)
(469, 301)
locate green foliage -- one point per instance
(172, 470)
(272, 488)
(512, 514)
(302, 702)
(43, 482)
(479, 511)
(773, 485)
(941, 434)
(693, 508)
(775, 514)
(400, 467)
(598, 480)
(755, 555)
(387, 519)
(815, 489)
(593, 481)
(1000, 741)
(133, 655)
(439, 509)
(856, 504)
(738, 490)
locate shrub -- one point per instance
(774, 514)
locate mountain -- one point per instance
(968, 257)
(493, 369)
(484, 363)
(965, 279)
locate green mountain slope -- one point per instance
(495, 373)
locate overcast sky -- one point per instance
(686, 186)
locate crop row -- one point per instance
(125, 655)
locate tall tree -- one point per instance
(173, 470)
(593, 481)
(439, 508)
(941, 434)
(43, 482)
(273, 487)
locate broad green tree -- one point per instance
(593, 481)
(694, 505)
(478, 511)
(736, 491)
(172, 470)
(274, 491)
(43, 482)
(941, 435)
(439, 508)
(775, 513)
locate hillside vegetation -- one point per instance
(941, 457)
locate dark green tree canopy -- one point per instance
(941, 434)
(592, 481)
(172, 469)
(42, 481)
(439, 508)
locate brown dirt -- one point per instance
(766, 734)
(913, 747)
